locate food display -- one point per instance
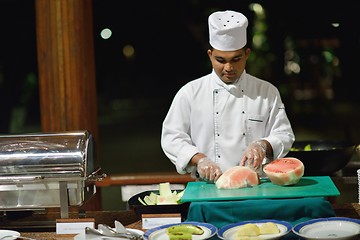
(248, 230)
(161, 200)
(255, 229)
(252, 229)
(165, 196)
(190, 230)
(269, 228)
(238, 177)
(285, 171)
(180, 236)
(183, 231)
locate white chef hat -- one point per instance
(227, 30)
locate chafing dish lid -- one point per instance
(51, 154)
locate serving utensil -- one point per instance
(106, 231)
(119, 229)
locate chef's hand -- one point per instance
(254, 155)
(208, 170)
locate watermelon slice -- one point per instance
(284, 171)
(238, 177)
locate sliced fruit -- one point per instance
(165, 196)
(185, 228)
(180, 236)
(153, 197)
(238, 177)
(249, 229)
(164, 189)
(269, 228)
(148, 201)
(141, 201)
(285, 171)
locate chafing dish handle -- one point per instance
(19, 179)
(95, 176)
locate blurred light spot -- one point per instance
(257, 8)
(292, 67)
(129, 51)
(258, 40)
(328, 56)
(106, 33)
(335, 24)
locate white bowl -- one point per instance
(339, 228)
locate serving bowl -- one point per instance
(322, 157)
(140, 209)
(339, 228)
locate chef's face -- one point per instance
(229, 65)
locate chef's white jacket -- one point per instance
(221, 120)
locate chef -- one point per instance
(228, 117)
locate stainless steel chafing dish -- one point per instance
(46, 170)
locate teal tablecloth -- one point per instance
(296, 210)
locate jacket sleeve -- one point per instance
(280, 133)
(175, 138)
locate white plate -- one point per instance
(228, 232)
(4, 233)
(82, 236)
(328, 228)
(159, 233)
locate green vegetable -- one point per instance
(307, 147)
(185, 228)
(180, 236)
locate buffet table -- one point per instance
(130, 220)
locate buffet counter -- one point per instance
(128, 218)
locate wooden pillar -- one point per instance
(65, 48)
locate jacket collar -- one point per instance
(234, 87)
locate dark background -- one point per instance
(170, 40)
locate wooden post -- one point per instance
(65, 48)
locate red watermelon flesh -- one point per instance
(238, 177)
(285, 171)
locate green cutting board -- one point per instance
(307, 187)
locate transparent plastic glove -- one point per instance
(208, 170)
(254, 155)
